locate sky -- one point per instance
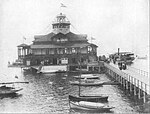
(114, 24)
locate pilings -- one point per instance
(133, 86)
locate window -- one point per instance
(65, 51)
(73, 50)
(89, 48)
(62, 40)
(58, 40)
(51, 51)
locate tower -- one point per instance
(61, 24)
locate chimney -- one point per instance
(118, 50)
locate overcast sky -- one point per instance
(113, 23)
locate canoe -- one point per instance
(87, 76)
(8, 90)
(89, 106)
(88, 98)
(86, 84)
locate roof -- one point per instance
(71, 37)
(60, 46)
(23, 45)
(44, 37)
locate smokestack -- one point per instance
(118, 50)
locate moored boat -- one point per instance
(4, 90)
(90, 106)
(126, 57)
(88, 98)
(87, 76)
(86, 84)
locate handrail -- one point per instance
(145, 87)
(139, 71)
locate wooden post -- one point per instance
(134, 87)
(130, 87)
(134, 90)
(124, 81)
(116, 77)
(138, 91)
(144, 95)
(127, 85)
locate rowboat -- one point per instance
(90, 106)
(26, 69)
(4, 90)
(86, 84)
(87, 76)
(7, 90)
(88, 98)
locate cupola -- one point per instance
(61, 24)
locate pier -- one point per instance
(135, 82)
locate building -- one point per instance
(60, 47)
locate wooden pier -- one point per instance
(135, 83)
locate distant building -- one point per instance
(59, 47)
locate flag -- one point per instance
(24, 38)
(62, 5)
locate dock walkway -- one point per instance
(138, 84)
(142, 77)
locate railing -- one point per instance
(143, 86)
(139, 71)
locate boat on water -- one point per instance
(27, 69)
(124, 57)
(90, 106)
(88, 98)
(86, 84)
(87, 76)
(8, 90)
(4, 90)
(92, 83)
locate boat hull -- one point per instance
(77, 105)
(86, 84)
(8, 92)
(89, 98)
(87, 76)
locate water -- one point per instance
(48, 93)
(142, 64)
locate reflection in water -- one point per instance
(48, 93)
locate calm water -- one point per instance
(142, 64)
(49, 94)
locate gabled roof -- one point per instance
(93, 45)
(75, 37)
(47, 37)
(23, 45)
(71, 37)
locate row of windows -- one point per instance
(59, 51)
(61, 26)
